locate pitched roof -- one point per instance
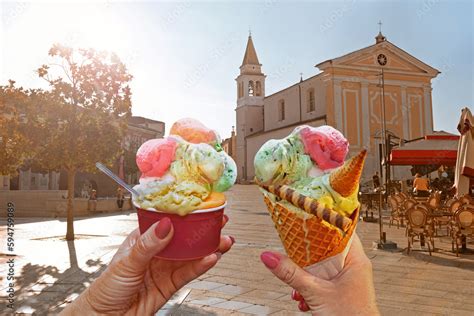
(389, 46)
(250, 57)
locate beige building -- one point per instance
(346, 94)
(228, 144)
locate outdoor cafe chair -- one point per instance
(434, 201)
(466, 199)
(419, 227)
(396, 213)
(404, 195)
(464, 219)
(407, 204)
(450, 207)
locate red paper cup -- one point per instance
(196, 235)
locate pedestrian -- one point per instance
(93, 200)
(420, 186)
(376, 180)
(120, 198)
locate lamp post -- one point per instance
(383, 243)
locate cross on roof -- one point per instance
(380, 26)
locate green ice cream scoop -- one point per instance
(227, 180)
(281, 161)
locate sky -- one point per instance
(184, 56)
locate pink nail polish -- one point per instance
(269, 259)
(163, 228)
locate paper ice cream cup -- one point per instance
(196, 235)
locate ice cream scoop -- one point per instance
(195, 132)
(184, 171)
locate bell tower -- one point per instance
(249, 110)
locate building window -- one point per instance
(311, 103)
(258, 88)
(251, 89)
(281, 110)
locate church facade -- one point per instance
(346, 94)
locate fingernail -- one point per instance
(218, 255)
(226, 218)
(233, 239)
(269, 259)
(303, 306)
(163, 228)
(295, 295)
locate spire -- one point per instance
(380, 38)
(250, 57)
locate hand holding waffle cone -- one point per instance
(315, 216)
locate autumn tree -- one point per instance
(19, 110)
(85, 114)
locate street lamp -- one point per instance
(383, 243)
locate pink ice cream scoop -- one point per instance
(155, 156)
(325, 145)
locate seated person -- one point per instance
(420, 186)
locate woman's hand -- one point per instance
(136, 283)
(351, 292)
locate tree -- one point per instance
(18, 114)
(85, 113)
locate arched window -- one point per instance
(311, 102)
(251, 89)
(281, 110)
(258, 88)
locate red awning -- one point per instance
(437, 149)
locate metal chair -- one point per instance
(419, 226)
(464, 219)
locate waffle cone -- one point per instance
(306, 238)
(345, 179)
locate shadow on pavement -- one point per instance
(42, 289)
(423, 255)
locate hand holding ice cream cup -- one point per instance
(183, 178)
(311, 193)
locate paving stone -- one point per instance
(232, 305)
(208, 301)
(231, 289)
(263, 294)
(204, 285)
(258, 310)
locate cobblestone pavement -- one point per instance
(50, 272)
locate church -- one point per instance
(347, 94)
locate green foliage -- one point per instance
(80, 120)
(86, 109)
(18, 119)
